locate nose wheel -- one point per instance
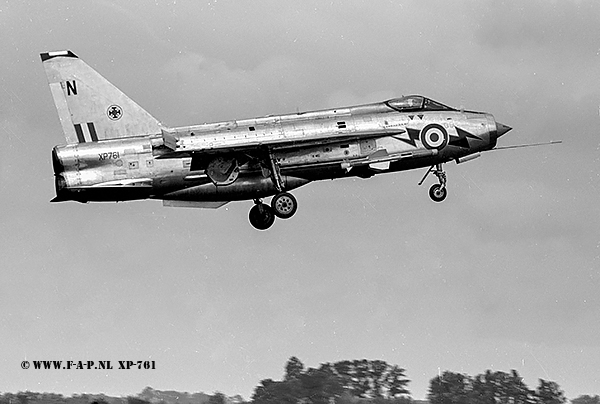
(437, 192)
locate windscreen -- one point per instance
(417, 103)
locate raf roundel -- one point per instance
(114, 112)
(434, 136)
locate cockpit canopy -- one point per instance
(412, 103)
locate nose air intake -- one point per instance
(501, 129)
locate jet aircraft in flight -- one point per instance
(117, 151)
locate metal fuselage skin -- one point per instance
(355, 141)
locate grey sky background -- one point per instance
(503, 275)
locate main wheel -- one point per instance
(261, 216)
(438, 193)
(284, 205)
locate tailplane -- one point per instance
(90, 108)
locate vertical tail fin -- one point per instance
(90, 108)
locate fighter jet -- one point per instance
(117, 151)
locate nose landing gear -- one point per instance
(437, 192)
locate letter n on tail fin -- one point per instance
(90, 108)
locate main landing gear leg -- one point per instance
(275, 173)
(283, 203)
(437, 192)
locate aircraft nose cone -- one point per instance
(501, 129)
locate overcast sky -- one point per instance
(503, 275)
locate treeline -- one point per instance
(147, 396)
(492, 387)
(345, 382)
(358, 381)
(363, 381)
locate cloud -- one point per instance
(541, 27)
(213, 90)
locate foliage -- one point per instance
(270, 391)
(341, 382)
(217, 398)
(172, 397)
(135, 400)
(347, 398)
(491, 388)
(23, 398)
(293, 368)
(318, 386)
(549, 393)
(345, 382)
(450, 388)
(585, 399)
(370, 379)
(500, 387)
(147, 396)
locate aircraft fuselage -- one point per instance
(356, 141)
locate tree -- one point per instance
(237, 399)
(449, 388)
(397, 382)
(320, 386)
(492, 388)
(135, 400)
(293, 368)
(586, 400)
(483, 389)
(517, 390)
(359, 381)
(351, 379)
(397, 400)
(500, 387)
(549, 393)
(217, 398)
(23, 398)
(272, 392)
(370, 379)
(262, 392)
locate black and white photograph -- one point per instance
(351, 202)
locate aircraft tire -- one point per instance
(438, 193)
(261, 216)
(284, 205)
